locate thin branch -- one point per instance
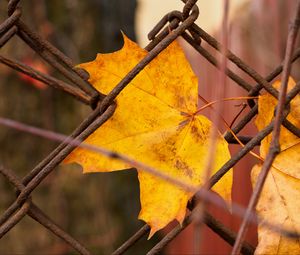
(274, 145)
(202, 194)
(216, 120)
(108, 153)
(41, 171)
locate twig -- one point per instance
(202, 194)
(200, 209)
(77, 142)
(274, 145)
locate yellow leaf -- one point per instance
(279, 199)
(279, 204)
(154, 123)
(288, 160)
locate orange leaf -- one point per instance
(279, 204)
(289, 143)
(281, 193)
(154, 123)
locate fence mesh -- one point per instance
(171, 26)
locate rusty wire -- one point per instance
(181, 24)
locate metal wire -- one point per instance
(181, 23)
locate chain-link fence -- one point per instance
(171, 26)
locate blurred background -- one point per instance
(101, 209)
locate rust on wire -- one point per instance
(8, 23)
(47, 79)
(36, 213)
(8, 35)
(172, 25)
(274, 149)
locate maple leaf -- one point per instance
(281, 192)
(289, 143)
(279, 203)
(155, 123)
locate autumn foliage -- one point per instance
(279, 199)
(156, 122)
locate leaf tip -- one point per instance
(153, 230)
(126, 40)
